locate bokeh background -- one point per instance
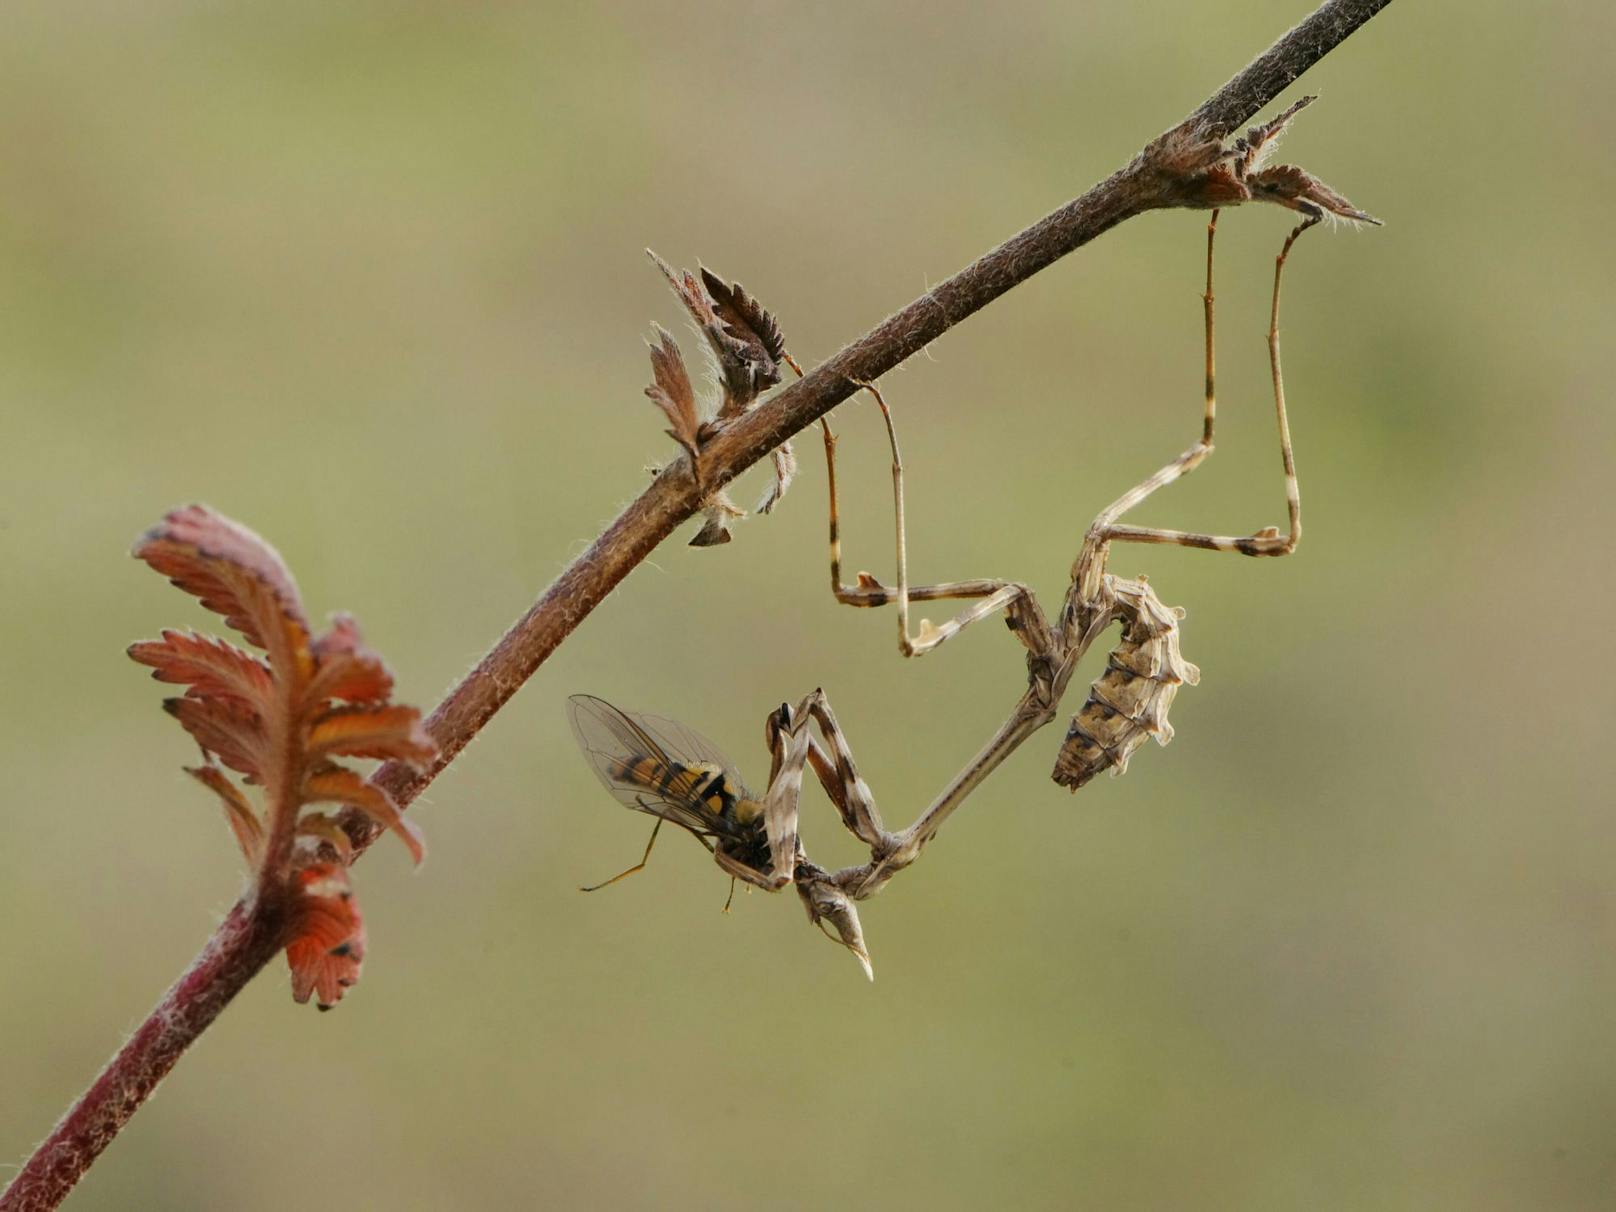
(369, 278)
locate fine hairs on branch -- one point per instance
(299, 890)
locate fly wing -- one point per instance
(687, 744)
(614, 741)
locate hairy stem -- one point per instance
(246, 941)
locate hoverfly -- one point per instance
(663, 769)
(660, 767)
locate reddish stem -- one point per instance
(243, 943)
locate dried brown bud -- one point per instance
(717, 510)
(671, 392)
(744, 338)
(749, 354)
(753, 350)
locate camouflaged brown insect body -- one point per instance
(1128, 703)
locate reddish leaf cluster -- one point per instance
(280, 720)
(748, 353)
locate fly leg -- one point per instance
(639, 866)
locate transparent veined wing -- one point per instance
(618, 743)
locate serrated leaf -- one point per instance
(672, 393)
(327, 946)
(747, 320)
(238, 812)
(334, 784)
(747, 342)
(744, 338)
(372, 732)
(690, 293)
(346, 669)
(276, 722)
(229, 730)
(231, 570)
(212, 668)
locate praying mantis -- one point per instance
(662, 769)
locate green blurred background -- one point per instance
(369, 278)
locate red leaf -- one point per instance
(372, 732)
(327, 947)
(338, 785)
(274, 722)
(212, 668)
(234, 573)
(230, 731)
(345, 669)
(238, 812)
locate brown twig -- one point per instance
(241, 946)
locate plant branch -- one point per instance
(246, 940)
(673, 498)
(240, 947)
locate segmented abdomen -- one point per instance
(1128, 702)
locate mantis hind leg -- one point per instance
(1265, 542)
